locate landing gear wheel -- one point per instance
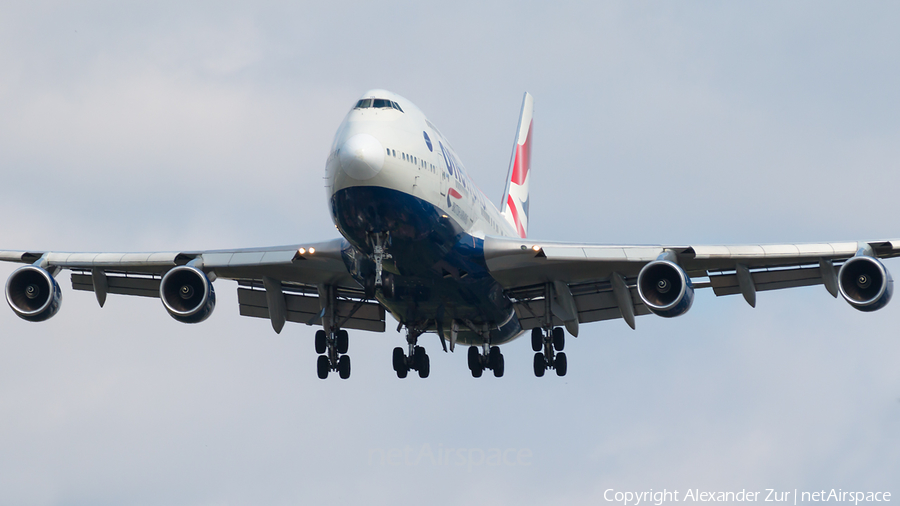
(537, 339)
(321, 342)
(344, 367)
(402, 372)
(498, 368)
(476, 373)
(559, 338)
(387, 285)
(561, 364)
(494, 357)
(323, 366)
(474, 357)
(419, 356)
(540, 364)
(343, 341)
(425, 367)
(399, 359)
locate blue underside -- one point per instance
(437, 272)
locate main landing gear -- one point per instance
(489, 358)
(332, 353)
(545, 342)
(416, 360)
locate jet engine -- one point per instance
(665, 288)
(33, 294)
(187, 294)
(865, 283)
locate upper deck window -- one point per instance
(377, 103)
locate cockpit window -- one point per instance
(379, 103)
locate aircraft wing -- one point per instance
(286, 281)
(599, 282)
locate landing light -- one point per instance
(302, 251)
(444, 216)
(312, 251)
(536, 247)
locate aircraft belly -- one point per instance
(436, 271)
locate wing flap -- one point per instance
(302, 308)
(594, 302)
(144, 286)
(727, 284)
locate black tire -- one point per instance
(498, 369)
(399, 359)
(537, 339)
(425, 368)
(344, 366)
(494, 357)
(419, 357)
(343, 341)
(559, 339)
(369, 287)
(323, 366)
(474, 358)
(477, 372)
(321, 342)
(540, 364)
(387, 285)
(401, 373)
(561, 364)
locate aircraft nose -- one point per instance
(362, 157)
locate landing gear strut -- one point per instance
(332, 342)
(379, 255)
(416, 360)
(546, 343)
(489, 358)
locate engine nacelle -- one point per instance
(187, 294)
(33, 294)
(865, 283)
(665, 288)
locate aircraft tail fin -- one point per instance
(515, 199)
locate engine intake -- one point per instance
(187, 294)
(33, 294)
(665, 288)
(865, 283)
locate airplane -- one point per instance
(418, 239)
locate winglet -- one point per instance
(515, 199)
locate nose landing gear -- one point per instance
(546, 343)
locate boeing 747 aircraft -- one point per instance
(418, 239)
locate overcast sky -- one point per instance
(173, 127)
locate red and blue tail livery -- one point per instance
(515, 202)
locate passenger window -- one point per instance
(395, 153)
(389, 151)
